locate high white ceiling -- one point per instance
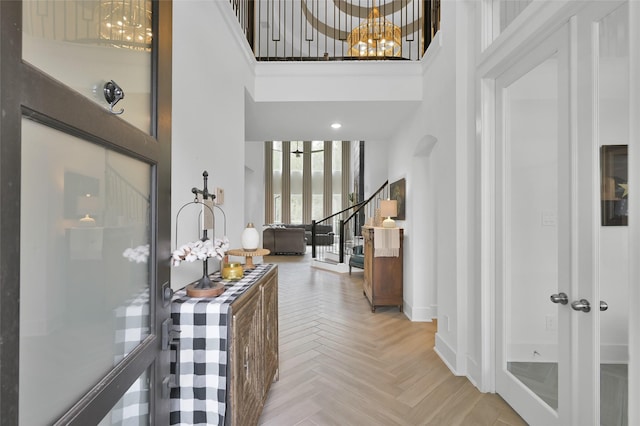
(363, 120)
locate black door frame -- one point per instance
(26, 92)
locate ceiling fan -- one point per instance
(297, 152)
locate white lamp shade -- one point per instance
(389, 208)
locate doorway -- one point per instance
(561, 269)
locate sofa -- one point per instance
(293, 238)
(324, 233)
(280, 240)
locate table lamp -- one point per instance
(88, 205)
(388, 208)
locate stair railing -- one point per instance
(125, 203)
(346, 227)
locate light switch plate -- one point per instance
(549, 218)
(219, 196)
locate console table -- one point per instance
(228, 351)
(383, 280)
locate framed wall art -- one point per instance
(614, 185)
(397, 192)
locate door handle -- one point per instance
(113, 94)
(561, 298)
(604, 305)
(581, 305)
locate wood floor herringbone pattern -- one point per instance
(341, 364)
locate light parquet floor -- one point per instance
(341, 364)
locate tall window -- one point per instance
(296, 156)
(317, 181)
(336, 178)
(277, 181)
(311, 186)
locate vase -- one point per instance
(250, 238)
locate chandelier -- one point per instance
(126, 23)
(376, 37)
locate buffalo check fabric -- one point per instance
(200, 398)
(132, 320)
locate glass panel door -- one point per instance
(85, 210)
(561, 215)
(613, 125)
(533, 243)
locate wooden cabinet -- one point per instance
(253, 350)
(382, 275)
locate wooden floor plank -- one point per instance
(341, 364)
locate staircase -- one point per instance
(348, 222)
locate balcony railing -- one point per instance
(316, 30)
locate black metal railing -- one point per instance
(348, 228)
(313, 30)
(325, 243)
(125, 203)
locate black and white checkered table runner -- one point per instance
(132, 327)
(202, 322)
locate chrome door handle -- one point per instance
(604, 305)
(581, 305)
(561, 298)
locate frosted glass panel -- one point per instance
(133, 408)
(84, 271)
(533, 243)
(85, 43)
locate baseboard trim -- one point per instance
(420, 314)
(446, 354)
(474, 373)
(341, 268)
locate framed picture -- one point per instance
(397, 192)
(614, 186)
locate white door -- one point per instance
(555, 258)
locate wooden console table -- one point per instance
(228, 351)
(383, 279)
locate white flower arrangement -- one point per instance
(200, 250)
(138, 254)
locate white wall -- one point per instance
(375, 165)
(254, 185)
(424, 153)
(210, 74)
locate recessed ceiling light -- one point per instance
(336, 125)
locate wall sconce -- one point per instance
(388, 208)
